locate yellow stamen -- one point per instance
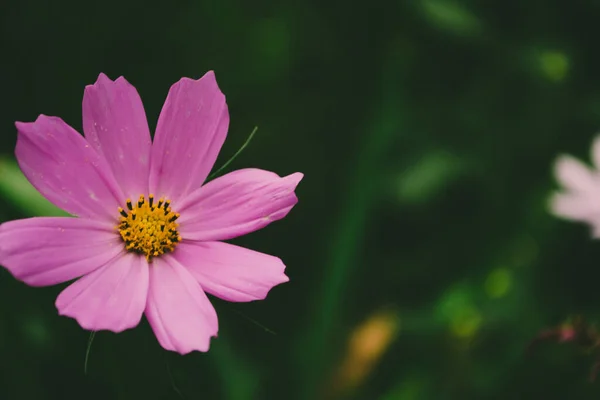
(147, 228)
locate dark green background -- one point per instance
(426, 131)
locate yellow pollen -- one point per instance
(148, 227)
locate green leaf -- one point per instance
(15, 188)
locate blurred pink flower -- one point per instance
(580, 198)
(147, 239)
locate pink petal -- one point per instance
(63, 167)
(114, 123)
(576, 207)
(237, 203)
(47, 251)
(574, 175)
(596, 152)
(179, 312)
(111, 298)
(191, 130)
(580, 207)
(230, 272)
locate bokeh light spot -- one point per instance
(456, 309)
(366, 345)
(35, 330)
(554, 65)
(466, 323)
(451, 16)
(498, 283)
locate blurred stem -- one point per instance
(240, 381)
(342, 260)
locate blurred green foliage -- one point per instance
(426, 130)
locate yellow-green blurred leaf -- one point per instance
(425, 178)
(16, 189)
(451, 16)
(554, 65)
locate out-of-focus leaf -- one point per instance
(409, 388)
(16, 189)
(451, 16)
(428, 176)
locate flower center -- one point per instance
(148, 228)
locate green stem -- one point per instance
(344, 251)
(87, 351)
(237, 153)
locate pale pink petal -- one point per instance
(47, 251)
(237, 203)
(575, 206)
(596, 152)
(64, 168)
(111, 298)
(191, 130)
(114, 123)
(230, 272)
(574, 175)
(179, 312)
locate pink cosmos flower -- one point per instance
(147, 239)
(580, 198)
